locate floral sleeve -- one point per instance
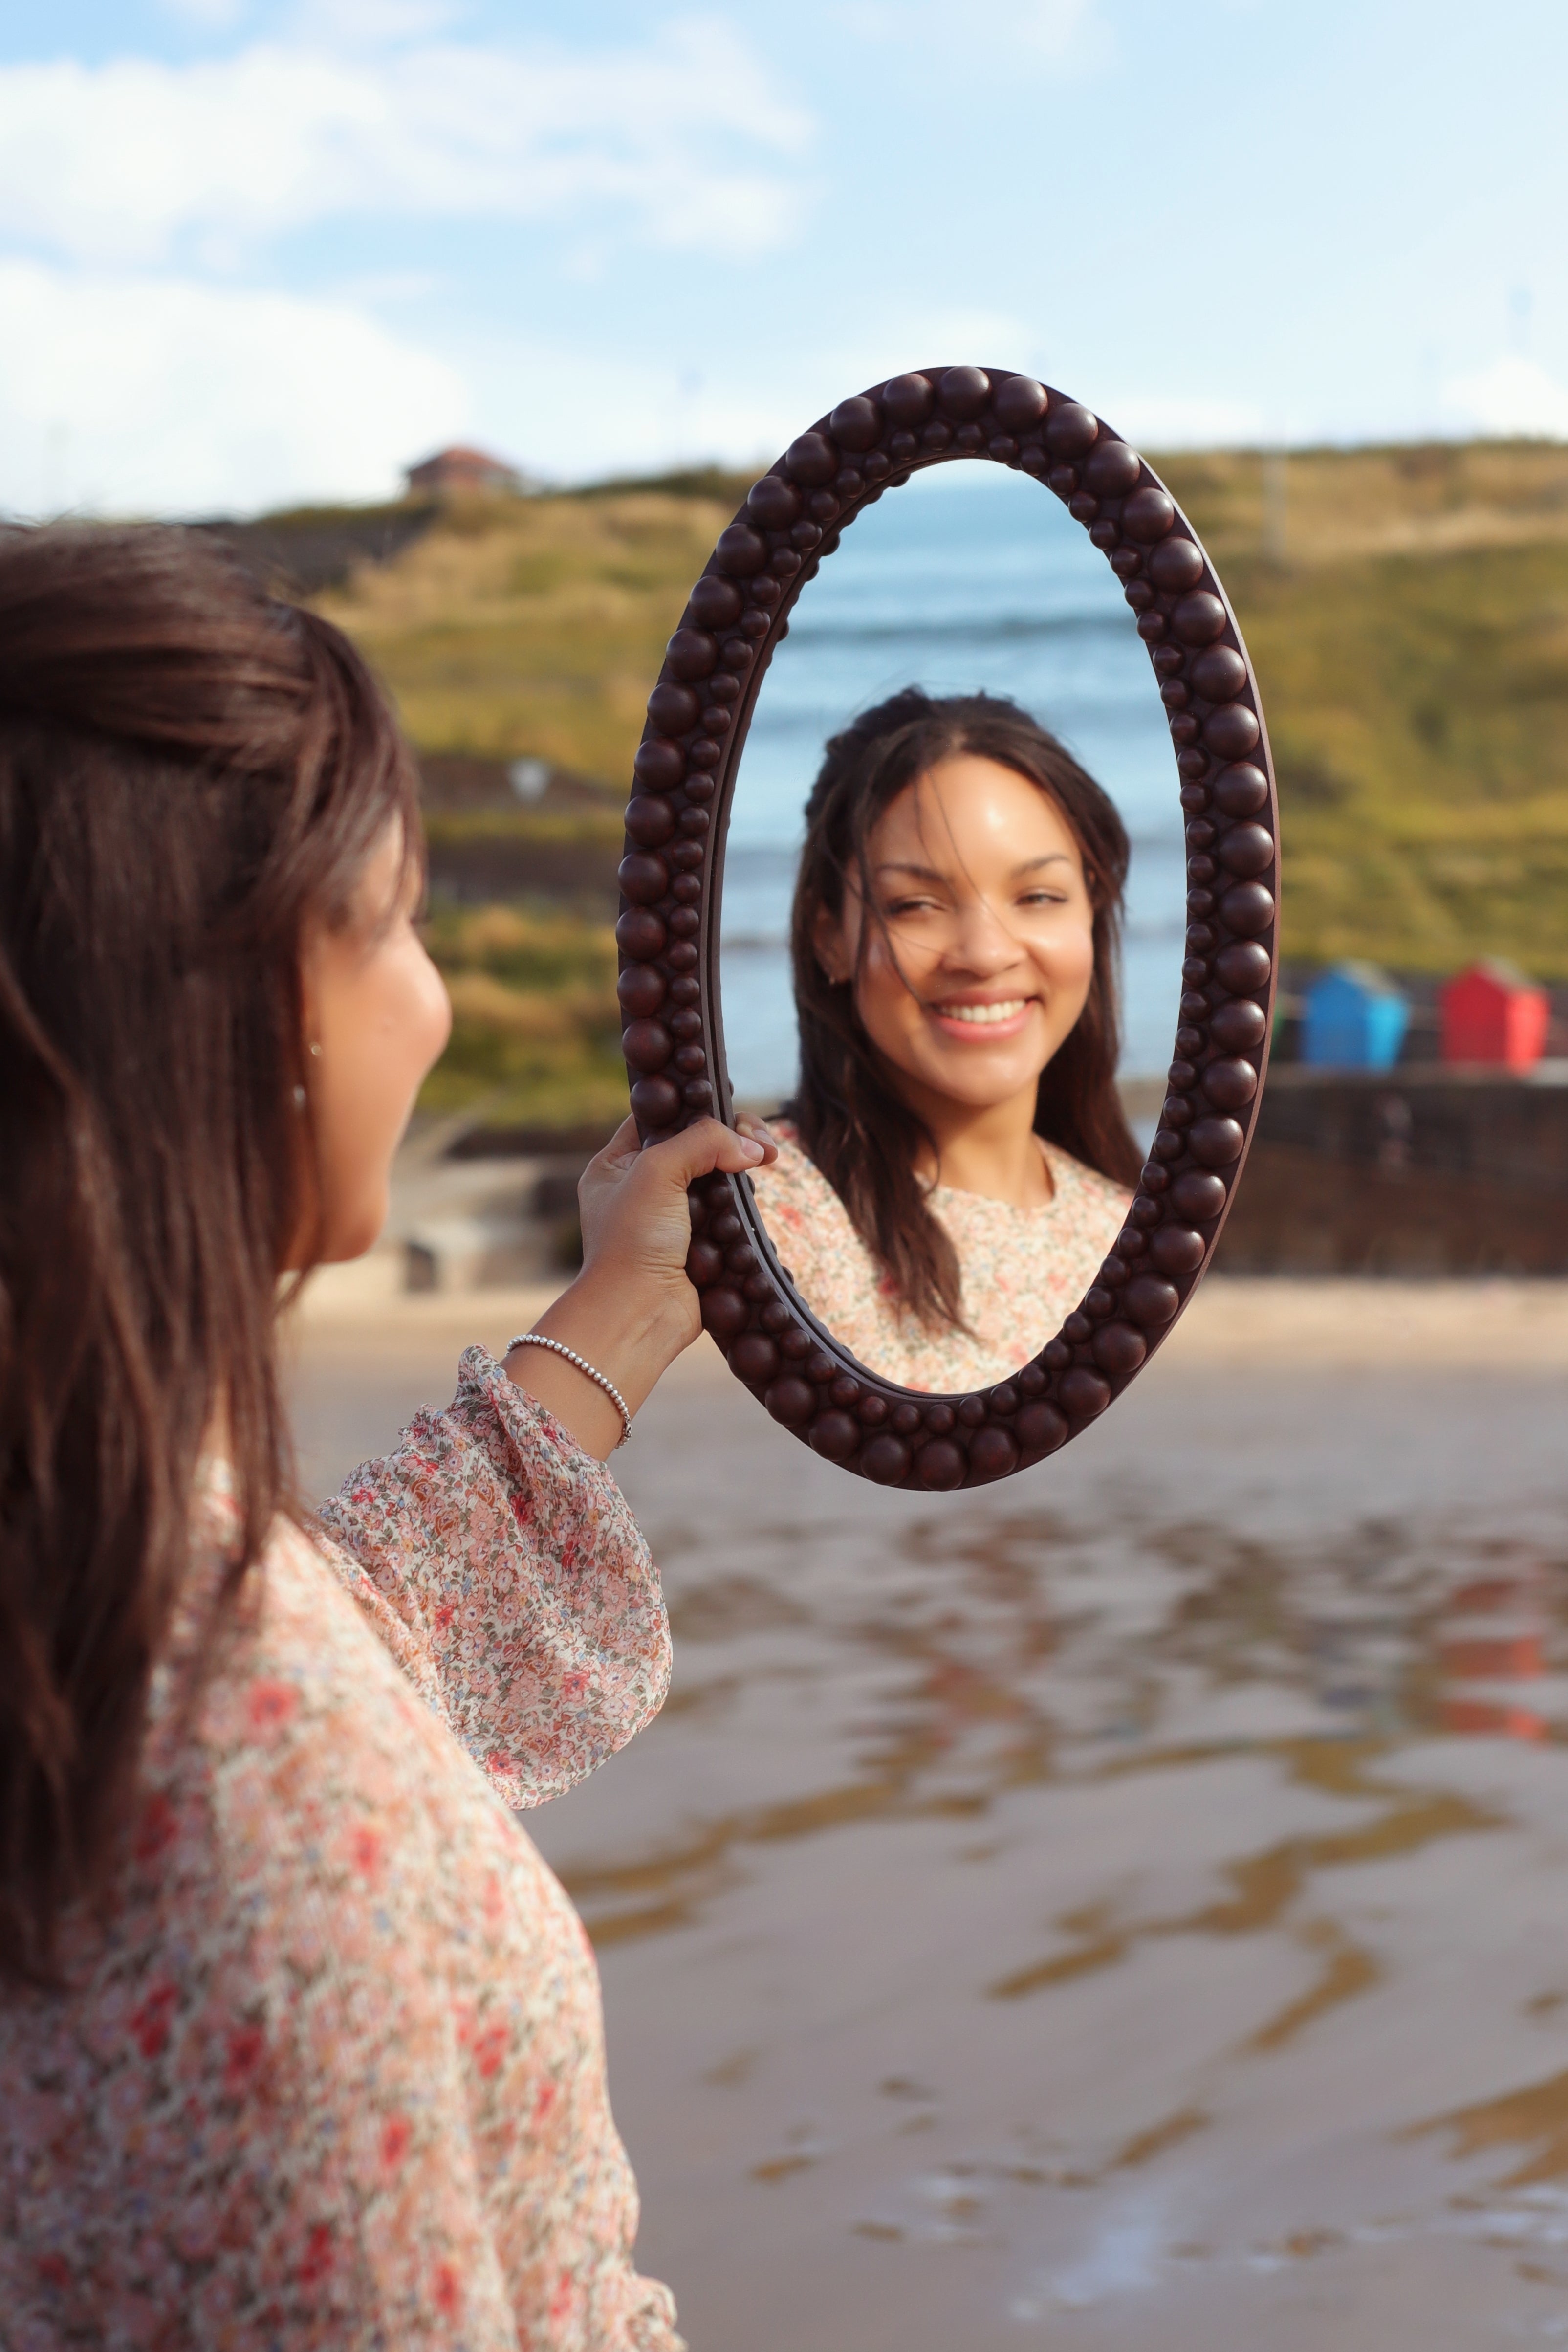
(501, 1565)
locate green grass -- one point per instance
(1419, 708)
(1412, 649)
(535, 1032)
(534, 625)
(725, 484)
(557, 828)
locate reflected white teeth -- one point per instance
(981, 1014)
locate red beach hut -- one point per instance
(1492, 1013)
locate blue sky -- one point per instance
(252, 250)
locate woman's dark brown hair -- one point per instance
(852, 1122)
(191, 774)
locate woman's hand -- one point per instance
(636, 1224)
(632, 1309)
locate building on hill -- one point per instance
(1492, 1013)
(452, 471)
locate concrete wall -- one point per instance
(1412, 1171)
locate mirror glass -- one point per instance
(938, 1231)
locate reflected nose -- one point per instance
(982, 943)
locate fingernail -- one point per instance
(752, 1151)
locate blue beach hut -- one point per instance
(1356, 1020)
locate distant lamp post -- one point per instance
(529, 779)
(1276, 508)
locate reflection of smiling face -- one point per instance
(977, 961)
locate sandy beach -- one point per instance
(1125, 1906)
(1233, 1320)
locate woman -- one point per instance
(300, 2043)
(956, 1161)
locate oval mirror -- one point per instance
(919, 886)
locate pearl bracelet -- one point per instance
(555, 1347)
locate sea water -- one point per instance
(967, 578)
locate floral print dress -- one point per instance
(1024, 1270)
(332, 2075)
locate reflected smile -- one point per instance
(1002, 1016)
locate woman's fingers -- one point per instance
(702, 1147)
(632, 1307)
(759, 1131)
(696, 1151)
(638, 1198)
(622, 1147)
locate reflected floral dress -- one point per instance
(332, 2072)
(1024, 1270)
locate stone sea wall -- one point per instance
(1416, 1170)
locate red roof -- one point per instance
(459, 464)
(458, 454)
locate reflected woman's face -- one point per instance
(979, 958)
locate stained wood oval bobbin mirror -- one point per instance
(1160, 1226)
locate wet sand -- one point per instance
(1128, 1906)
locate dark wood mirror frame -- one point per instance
(672, 878)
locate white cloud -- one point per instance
(972, 337)
(116, 164)
(1152, 420)
(627, 417)
(159, 395)
(1512, 396)
(940, 337)
(567, 413)
(909, 335)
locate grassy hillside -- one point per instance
(1411, 638)
(534, 625)
(1407, 610)
(534, 628)
(535, 1028)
